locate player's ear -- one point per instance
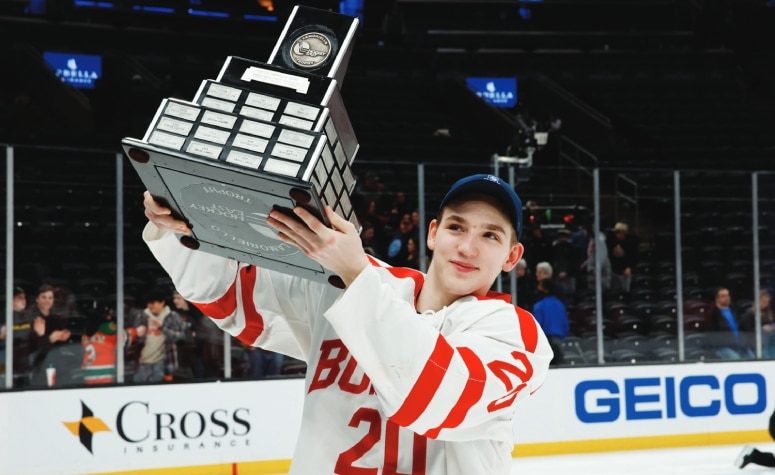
(514, 256)
(431, 240)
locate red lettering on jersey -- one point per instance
(502, 370)
(419, 451)
(348, 386)
(328, 361)
(329, 367)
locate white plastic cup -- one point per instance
(51, 376)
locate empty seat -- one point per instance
(627, 323)
(643, 294)
(663, 323)
(629, 356)
(696, 322)
(660, 340)
(632, 342)
(643, 309)
(665, 353)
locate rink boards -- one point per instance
(250, 427)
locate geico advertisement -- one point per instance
(81, 431)
(632, 401)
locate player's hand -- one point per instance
(338, 248)
(162, 217)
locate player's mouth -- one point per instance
(463, 266)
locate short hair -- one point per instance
(156, 294)
(45, 288)
(522, 264)
(544, 266)
(549, 286)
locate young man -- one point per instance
(158, 329)
(407, 372)
(725, 337)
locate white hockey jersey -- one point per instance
(389, 391)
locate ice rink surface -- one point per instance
(710, 460)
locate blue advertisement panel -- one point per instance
(500, 92)
(75, 69)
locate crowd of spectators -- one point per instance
(390, 222)
(165, 339)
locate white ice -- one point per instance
(708, 460)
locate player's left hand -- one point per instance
(338, 248)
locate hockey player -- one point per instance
(408, 373)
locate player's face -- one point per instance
(471, 245)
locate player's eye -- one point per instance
(493, 236)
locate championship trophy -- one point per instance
(260, 136)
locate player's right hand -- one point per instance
(162, 217)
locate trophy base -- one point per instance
(226, 207)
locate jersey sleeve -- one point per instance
(257, 306)
(442, 379)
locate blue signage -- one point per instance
(77, 70)
(606, 400)
(500, 92)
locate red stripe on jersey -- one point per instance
(528, 328)
(415, 275)
(254, 322)
(493, 295)
(427, 384)
(223, 307)
(402, 273)
(472, 393)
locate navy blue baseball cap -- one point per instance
(493, 186)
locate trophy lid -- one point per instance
(316, 41)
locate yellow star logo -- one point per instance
(86, 427)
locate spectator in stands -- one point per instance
(22, 325)
(545, 271)
(398, 208)
(748, 323)
(605, 264)
(48, 328)
(21, 328)
(412, 253)
(99, 358)
(623, 254)
(260, 363)
(525, 285)
(550, 312)
(159, 329)
(579, 239)
(50, 342)
(397, 250)
(370, 188)
(566, 263)
(538, 247)
(196, 349)
(751, 455)
(367, 239)
(725, 338)
(367, 213)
